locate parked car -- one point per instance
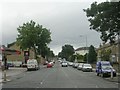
(45, 63)
(32, 64)
(104, 68)
(50, 64)
(64, 64)
(4, 67)
(70, 63)
(10, 64)
(23, 65)
(17, 63)
(80, 66)
(75, 65)
(87, 67)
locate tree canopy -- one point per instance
(92, 55)
(105, 18)
(105, 54)
(67, 52)
(32, 35)
(85, 57)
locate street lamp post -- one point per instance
(86, 49)
(86, 45)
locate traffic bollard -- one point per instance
(111, 73)
(5, 75)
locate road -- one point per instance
(58, 77)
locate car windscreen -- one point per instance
(87, 65)
(107, 66)
(31, 62)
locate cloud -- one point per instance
(66, 20)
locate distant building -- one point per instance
(21, 57)
(82, 50)
(18, 57)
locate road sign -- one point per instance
(26, 53)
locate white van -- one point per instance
(32, 64)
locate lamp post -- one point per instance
(86, 45)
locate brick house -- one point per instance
(18, 57)
(113, 49)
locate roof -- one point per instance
(107, 45)
(82, 48)
(8, 51)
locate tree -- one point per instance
(80, 58)
(32, 35)
(72, 58)
(105, 18)
(60, 54)
(67, 51)
(85, 57)
(92, 55)
(106, 54)
(50, 53)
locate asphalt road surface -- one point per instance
(58, 77)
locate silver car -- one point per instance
(87, 67)
(80, 66)
(75, 65)
(64, 64)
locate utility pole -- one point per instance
(86, 48)
(119, 50)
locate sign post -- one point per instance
(26, 55)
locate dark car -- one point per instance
(4, 67)
(10, 64)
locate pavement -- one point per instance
(12, 71)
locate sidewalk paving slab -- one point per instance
(11, 72)
(114, 79)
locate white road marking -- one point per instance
(41, 82)
(75, 86)
(97, 86)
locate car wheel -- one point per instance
(97, 74)
(114, 75)
(102, 75)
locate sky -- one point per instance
(65, 18)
